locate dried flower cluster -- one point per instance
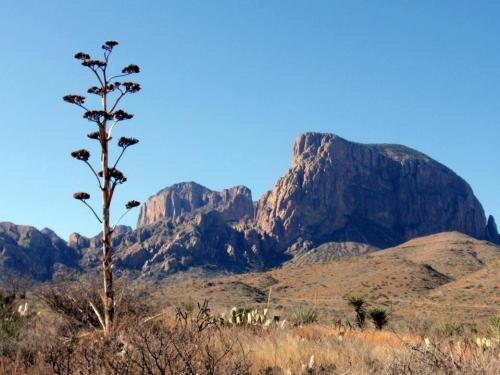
(115, 174)
(82, 154)
(121, 115)
(131, 69)
(131, 87)
(74, 99)
(108, 46)
(132, 204)
(125, 142)
(82, 56)
(97, 116)
(93, 64)
(93, 135)
(81, 196)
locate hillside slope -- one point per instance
(403, 286)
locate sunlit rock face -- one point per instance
(380, 194)
(189, 198)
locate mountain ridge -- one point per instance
(338, 198)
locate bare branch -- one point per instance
(119, 219)
(95, 174)
(111, 129)
(91, 209)
(120, 75)
(98, 314)
(118, 100)
(98, 76)
(119, 157)
(112, 190)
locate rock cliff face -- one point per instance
(77, 241)
(39, 254)
(189, 198)
(176, 244)
(381, 195)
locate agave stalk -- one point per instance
(111, 92)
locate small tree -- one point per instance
(106, 117)
(358, 303)
(379, 317)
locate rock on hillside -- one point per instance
(26, 250)
(492, 231)
(177, 244)
(77, 241)
(328, 252)
(189, 198)
(379, 194)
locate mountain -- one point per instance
(189, 198)
(338, 199)
(40, 254)
(378, 194)
(170, 245)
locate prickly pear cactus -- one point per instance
(239, 316)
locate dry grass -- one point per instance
(196, 343)
(369, 352)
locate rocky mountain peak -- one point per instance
(189, 198)
(492, 230)
(26, 250)
(380, 194)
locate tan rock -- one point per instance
(188, 198)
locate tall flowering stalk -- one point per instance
(111, 92)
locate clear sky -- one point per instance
(228, 85)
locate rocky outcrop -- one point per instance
(189, 198)
(77, 241)
(491, 233)
(26, 250)
(381, 195)
(177, 244)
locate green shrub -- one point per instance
(379, 317)
(303, 315)
(495, 326)
(450, 328)
(10, 322)
(10, 326)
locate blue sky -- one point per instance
(228, 86)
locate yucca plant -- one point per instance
(110, 92)
(358, 304)
(379, 317)
(303, 315)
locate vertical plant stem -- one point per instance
(108, 298)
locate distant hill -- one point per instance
(25, 250)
